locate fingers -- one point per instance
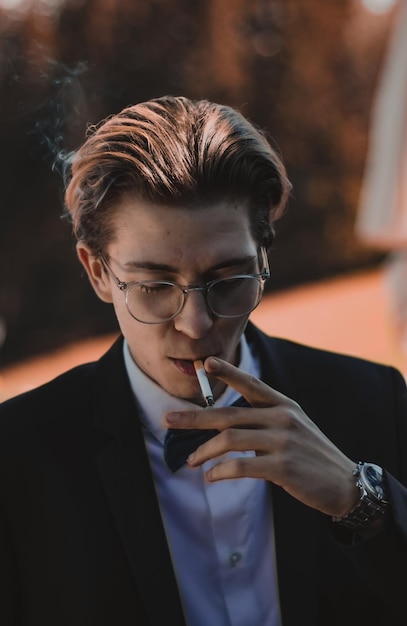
(236, 440)
(255, 391)
(232, 439)
(258, 394)
(240, 467)
(219, 419)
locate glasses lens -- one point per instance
(154, 302)
(233, 297)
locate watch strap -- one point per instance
(369, 507)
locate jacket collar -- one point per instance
(124, 469)
(125, 472)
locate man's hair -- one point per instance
(174, 151)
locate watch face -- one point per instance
(373, 478)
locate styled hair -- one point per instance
(174, 151)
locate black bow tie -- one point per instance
(179, 443)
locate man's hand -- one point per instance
(290, 450)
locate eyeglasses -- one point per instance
(158, 301)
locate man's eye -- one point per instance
(154, 288)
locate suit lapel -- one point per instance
(295, 525)
(124, 468)
(295, 529)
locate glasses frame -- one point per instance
(126, 287)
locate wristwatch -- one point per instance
(372, 503)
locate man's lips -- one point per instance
(186, 366)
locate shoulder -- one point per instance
(64, 394)
(60, 415)
(58, 395)
(304, 362)
(359, 404)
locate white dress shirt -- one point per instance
(220, 534)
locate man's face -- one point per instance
(188, 247)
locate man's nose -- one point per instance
(195, 319)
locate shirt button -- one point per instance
(234, 559)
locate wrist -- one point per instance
(372, 503)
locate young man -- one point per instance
(294, 510)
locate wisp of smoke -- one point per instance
(61, 114)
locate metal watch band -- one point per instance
(369, 506)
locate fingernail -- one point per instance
(213, 363)
(171, 418)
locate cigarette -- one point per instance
(204, 382)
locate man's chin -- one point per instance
(199, 401)
(193, 396)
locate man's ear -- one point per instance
(97, 274)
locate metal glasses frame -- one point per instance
(185, 289)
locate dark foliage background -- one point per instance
(303, 71)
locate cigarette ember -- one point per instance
(204, 382)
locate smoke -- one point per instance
(60, 118)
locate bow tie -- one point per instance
(179, 443)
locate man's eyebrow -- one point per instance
(148, 265)
(164, 267)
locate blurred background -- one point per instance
(306, 72)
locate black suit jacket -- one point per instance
(81, 537)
